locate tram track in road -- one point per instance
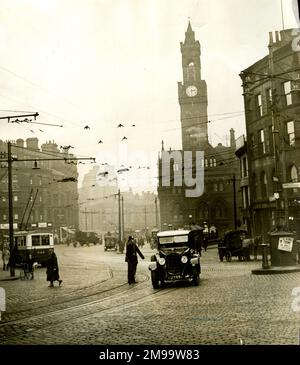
(44, 308)
(130, 297)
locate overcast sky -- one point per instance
(105, 62)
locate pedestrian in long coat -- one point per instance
(53, 270)
(131, 258)
(5, 256)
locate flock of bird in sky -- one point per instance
(119, 126)
(87, 127)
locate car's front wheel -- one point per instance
(196, 277)
(154, 279)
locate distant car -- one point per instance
(178, 257)
(110, 243)
(232, 245)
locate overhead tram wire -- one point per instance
(57, 154)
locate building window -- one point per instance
(30, 182)
(203, 212)
(16, 216)
(41, 217)
(41, 199)
(215, 162)
(191, 74)
(215, 187)
(40, 182)
(294, 177)
(4, 217)
(294, 174)
(259, 105)
(245, 198)
(15, 198)
(220, 211)
(244, 167)
(221, 186)
(263, 179)
(206, 162)
(261, 139)
(4, 199)
(291, 132)
(287, 92)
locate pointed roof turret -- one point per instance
(189, 34)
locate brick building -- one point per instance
(272, 105)
(42, 198)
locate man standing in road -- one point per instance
(131, 259)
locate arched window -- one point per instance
(203, 211)
(220, 210)
(263, 183)
(294, 174)
(294, 177)
(191, 73)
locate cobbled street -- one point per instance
(95, 305)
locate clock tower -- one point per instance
(192, 94)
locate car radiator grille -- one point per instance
(173, 264)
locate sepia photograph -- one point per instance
(149, 177)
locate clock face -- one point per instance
(191, 91)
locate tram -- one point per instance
(38, 244)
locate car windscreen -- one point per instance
(170, 241)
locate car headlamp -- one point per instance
(184, 259)
(161, 261)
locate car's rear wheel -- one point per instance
(228, 256)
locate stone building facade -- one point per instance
(45, 193)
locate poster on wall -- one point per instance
(285, 244)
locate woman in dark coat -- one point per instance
(131, 258)
(53, 270)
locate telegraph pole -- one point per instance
(234, 202)
(120, 223)
(156, 213)
(10, 211)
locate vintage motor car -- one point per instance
(110, 242)
(178, 257)
(232, 245)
